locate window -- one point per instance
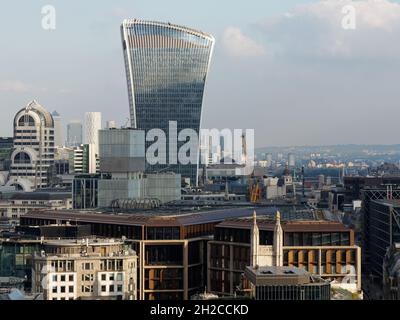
(62, 278)
(103, 277)
(71, 277)
(62, 289)
(119, 288)
(112, 277)
(54, 290)
(111, 288)
(103, 288)
(119, 277)
(55, 278)
(71, 289)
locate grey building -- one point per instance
(74, 134)
(122, 155)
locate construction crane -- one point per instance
(255, 191)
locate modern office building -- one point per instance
(85, 269)
(33, 152)
(286, 283)
(85, 189)
(92, 127)
(171, 242)
(391, 273)
(58, 130)
(84, 160)
(323, 248)
(383, 232)
(74, 134)
(166, 69)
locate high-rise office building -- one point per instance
(92, 127)
(166, 69)
(58, 130)
(74, 134)
(33, 152)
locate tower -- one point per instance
(278, 241)
(255, 241)
(33, 152)
(58, 129)
(166, 68)
(92, 127)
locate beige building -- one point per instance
(85, 269)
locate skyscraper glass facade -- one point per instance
(166, 68)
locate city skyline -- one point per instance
(305, 76)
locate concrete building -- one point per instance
(33, 152)
(92, 127)
(74, 134)
(85, 269)
(58, 130)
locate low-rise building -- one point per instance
(15, 204)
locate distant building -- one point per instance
(85, 160)
(87, 269)
(15, 204)
(291, 160)
(33, 152)
(74, 134)
(92, 127)
(6, 146)
(268, 157)
(111, 124)
(58, 130)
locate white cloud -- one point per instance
(316, 30)
(239, 45)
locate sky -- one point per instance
(287, 69)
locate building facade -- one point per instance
(323, 248)
(166, 69)
(85, 269)
(33, 152)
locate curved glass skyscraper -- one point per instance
(166, 69)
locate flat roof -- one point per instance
(230, 216)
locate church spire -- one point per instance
(278, 241)
(255, 241)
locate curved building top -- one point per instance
(35, 107)
(130, 22)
